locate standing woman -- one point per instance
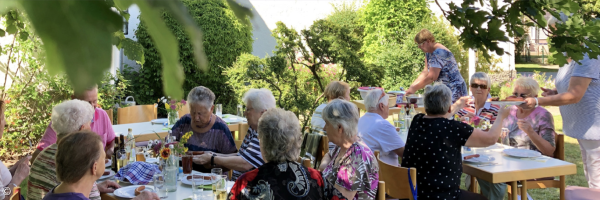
(440, 65)
(577, 92)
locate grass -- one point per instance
(533, 67)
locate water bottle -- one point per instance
(402, 120)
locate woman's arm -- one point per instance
(576, 90)
(423, 81)
(543, 145)
(347, 193)
(324, 162)
(481, 138)
(458, 105)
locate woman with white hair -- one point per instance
(350, 170)
(376, 131)
(258, 101)
(67, 117)
(477, 105)
(529, 128)
(577, 92)
(434, 143)
(281, 177)
(210, 133)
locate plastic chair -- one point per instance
(559, 153)
(396, 179)
(136, 114)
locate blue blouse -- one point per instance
(449, 74)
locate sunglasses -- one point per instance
(483, 87)
(520, 95)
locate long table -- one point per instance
(145, 131)
(393, 110)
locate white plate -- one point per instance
(232, 119)
(160, 121)
(151, 160)
(184, 180)
(129, 191)
(108, 164)
(522, 153)
(480, 160)
(112, 173)
(507, 103)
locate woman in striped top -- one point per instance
(477, 105)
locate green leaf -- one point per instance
(167, 46)
(76, 36)
(123, 4)
(23, 35)
(7, 4)
(2, 33)
(11, 29)
(240, 12)
(133, 50)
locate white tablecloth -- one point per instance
(139, 128)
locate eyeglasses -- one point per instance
(520, 95)
(422, 43)
(475, 86)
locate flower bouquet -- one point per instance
(476, 122)
(172, 107)
(161, 148)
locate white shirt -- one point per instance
(380, 135)
(5, 178)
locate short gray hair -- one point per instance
(69, 116)
(372, 100)
(482, 77)
(280, 136)
(437, 99)
(344, 113)
(262, 99)
(529, 84)
(201, 95)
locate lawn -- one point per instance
(533, 67)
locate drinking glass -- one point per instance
(504, 136)
(219, 110)
(240, 110)
(197, 187)
(159, 185)
(396, 120)
(215, 174)
(186, 162)
(220, 192)
(217, 171)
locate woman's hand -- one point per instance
(529, 103)
(504, 112)
(525, 126)
(549, 92)
(108, 186)
(202, 159)
(22, 171)
(410, 91)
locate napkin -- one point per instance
(138, 173)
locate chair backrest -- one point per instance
(238, 143)
(109, 112)
(396, 179)
(559, 151)
(306, 163)
(380, 191)
(16, 194)
(135, 114)
(184, 110)
(243, 131)
(323, 148)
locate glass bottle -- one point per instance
(402, 119)
(171, 170)
(130, 147)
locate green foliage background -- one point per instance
(225, 38)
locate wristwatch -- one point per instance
(212, 160)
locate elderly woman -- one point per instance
(334, 90)
(79, 163)
(434, 143)
(477, 104)
(210, 133)
(258, 101)
(350, 170)
(377, 132)
(529, 128)
(577, 92)
(10, 178)
(440, 65)
(67, 117)
(281, 177)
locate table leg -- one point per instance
(562, 187)
(524, 190)
(514, 189)
(473, 187)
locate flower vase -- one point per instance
(173, 116)
(171, 171)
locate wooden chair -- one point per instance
(559, 153)
(242, 131)
(380, 191)
(306, 163)
(184, 110)
(109, 112)
(396, 179)
(322, 150)
(136, 114)
(16, 194)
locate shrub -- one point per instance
(225, 38)
(540, 77)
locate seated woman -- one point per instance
(10, 178)
(67, 117)
(350, 171)
(334, 90)
(527, 128)
(434, 143)
(211, 133)
(377, 132)
(79, 163)
(478, 105)
(281, 177)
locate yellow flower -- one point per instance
(185, 149)
(167, 106)
(165, 152)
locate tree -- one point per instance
(582, 27)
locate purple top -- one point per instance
(542, 122)
(218, 139)
(357, 170)
(64, 196)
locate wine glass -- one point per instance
(197, 187)
(159, 183)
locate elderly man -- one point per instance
(67, 117)
(249, 157)
(80, 162)
(281, 140)
(210, 133)
(100, 124)
(376, 131)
